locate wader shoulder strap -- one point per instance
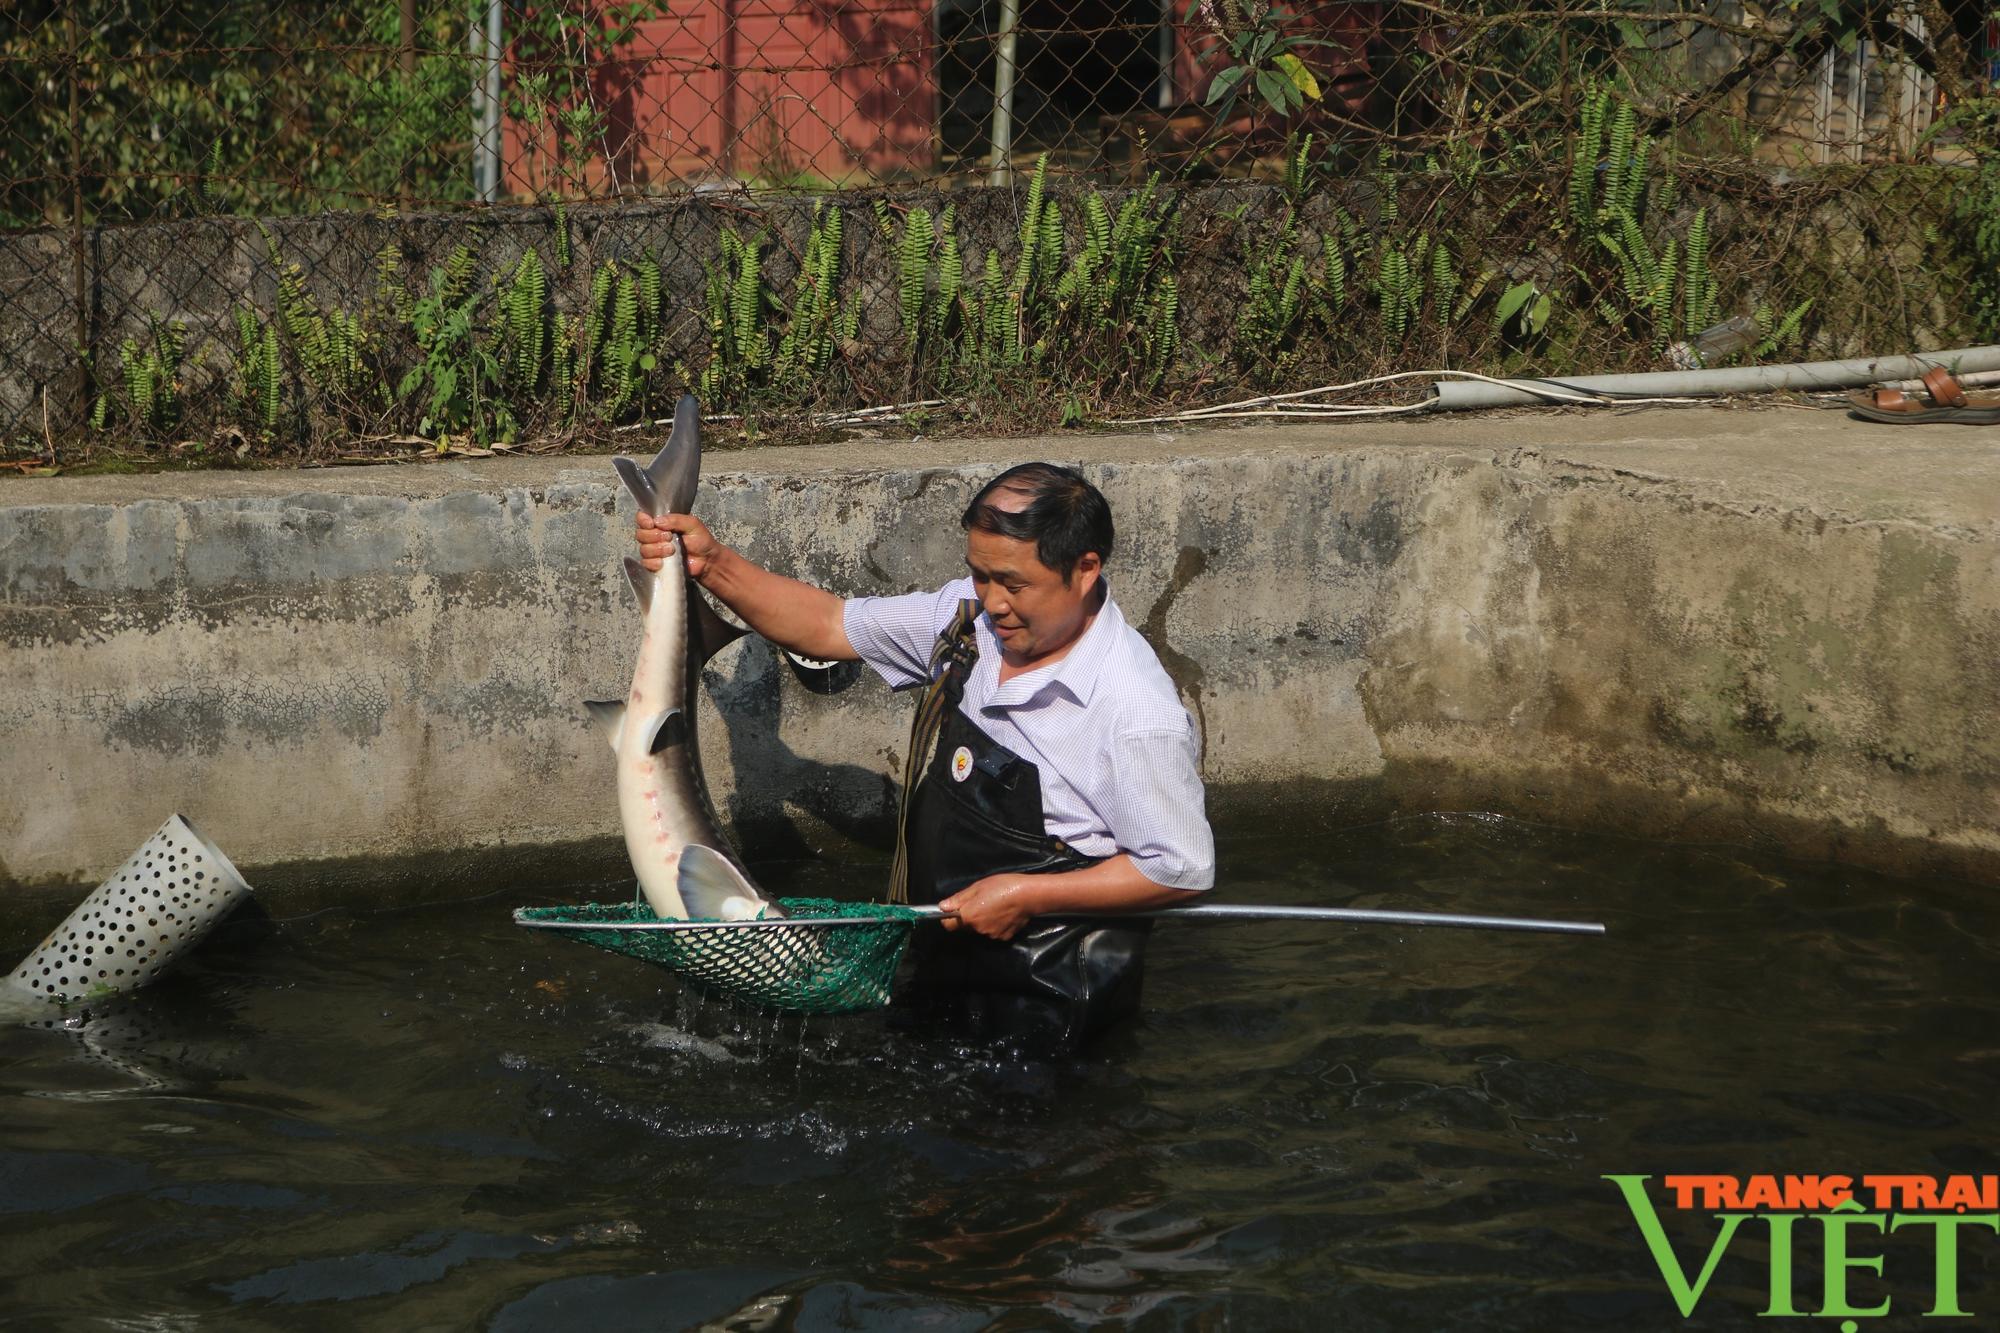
(951, 661)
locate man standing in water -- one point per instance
(1052, 767)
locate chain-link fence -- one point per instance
(305, 222)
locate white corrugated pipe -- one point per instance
(1456, 395)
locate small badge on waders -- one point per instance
(961, 764)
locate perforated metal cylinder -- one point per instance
(152, 910)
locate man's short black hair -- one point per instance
(1065, 515)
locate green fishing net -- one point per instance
(809, 969)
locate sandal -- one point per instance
(1949, 402)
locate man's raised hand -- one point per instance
(656, 542)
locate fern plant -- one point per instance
(524, 327)
(619, 328)
(1299, 171)
(1655, 288)
(1402, 276)
(913, 279)
(817, 323)
(761, 341)
(1275, 299)
(1008, 305)
(1648, 279)
(1625, 153)
(1412, 272)
(1698, 303)
(1117, 303)
(1609, 170)
(328, 347)
(930, 294)
(390, 289)
(1293, 298)
(1666, 290)
(150, 374)
(1583, 158)
(258, 390)
(1780, 330)
(733, 301)
(1444, 283)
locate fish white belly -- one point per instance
(647, 799)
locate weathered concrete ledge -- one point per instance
(1773, 626)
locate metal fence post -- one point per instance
(484, 39)
(492, 140)
(79, 277)
(407, 26)
(1003, 96)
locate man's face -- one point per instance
(1034, 611)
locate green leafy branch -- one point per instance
(1263, 53)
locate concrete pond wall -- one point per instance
(1761, 627)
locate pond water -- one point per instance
(432, 1118)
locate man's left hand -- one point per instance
(997, 907)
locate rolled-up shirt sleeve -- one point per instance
(1156, 814)
(895, 635)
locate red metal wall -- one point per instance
(767, 90)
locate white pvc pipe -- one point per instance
(1456, 395)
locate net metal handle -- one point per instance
(1203, 911)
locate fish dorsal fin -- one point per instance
(713, 889)
(711, 632)
(608, 714)
(666, 485)
(642, 580)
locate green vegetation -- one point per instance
(1616, 256)
(152, 382)
(763, 342)
(1292, 288)
(257, 392)
(241, 108)
(1978, 209)
(1562, 218)
(552, 49)
(930, 291)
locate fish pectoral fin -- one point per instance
(642, 580)
(609, 714)
(714, 889)
(715, 632)
(640, 483)
(671, 729)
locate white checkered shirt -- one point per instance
(1116, 751)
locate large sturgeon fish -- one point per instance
(684, 864)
